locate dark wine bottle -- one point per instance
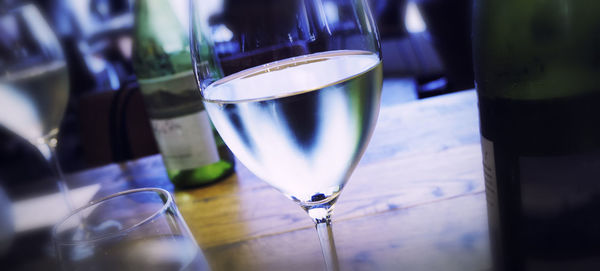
(537, 70)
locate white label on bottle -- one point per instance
(552, 186)
(489, 170)
(491, 186)
(186, 142)
(180, 82)
(559, 204)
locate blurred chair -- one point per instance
(407, 49)
(449, 24)
(390, 17)
(96, 38)
(428, 40)
(115, 126)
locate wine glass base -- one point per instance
(320, 212)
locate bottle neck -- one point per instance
(161, 43)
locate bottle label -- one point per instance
(489, 171)
(559, 205)
(174, 83)
(491, 187)
(186, 142)
(552, 186)
(171, 96)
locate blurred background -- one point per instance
(426, 52)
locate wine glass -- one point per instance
(138, 229)
(34, 82)
(293, 87)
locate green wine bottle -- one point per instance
(537, 68)
(193, 153)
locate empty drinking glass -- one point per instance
(138, 229)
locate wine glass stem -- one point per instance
(48, 150)
(327, 244)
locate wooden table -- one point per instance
(415, 202)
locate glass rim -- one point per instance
(169, 201)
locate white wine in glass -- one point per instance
(301, 124)
(32, 101)
(293, 87)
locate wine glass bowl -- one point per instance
(34, 81)
(293, 87)
(303, 135)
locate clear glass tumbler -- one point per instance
(138, 229)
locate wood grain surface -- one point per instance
(415, 202)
